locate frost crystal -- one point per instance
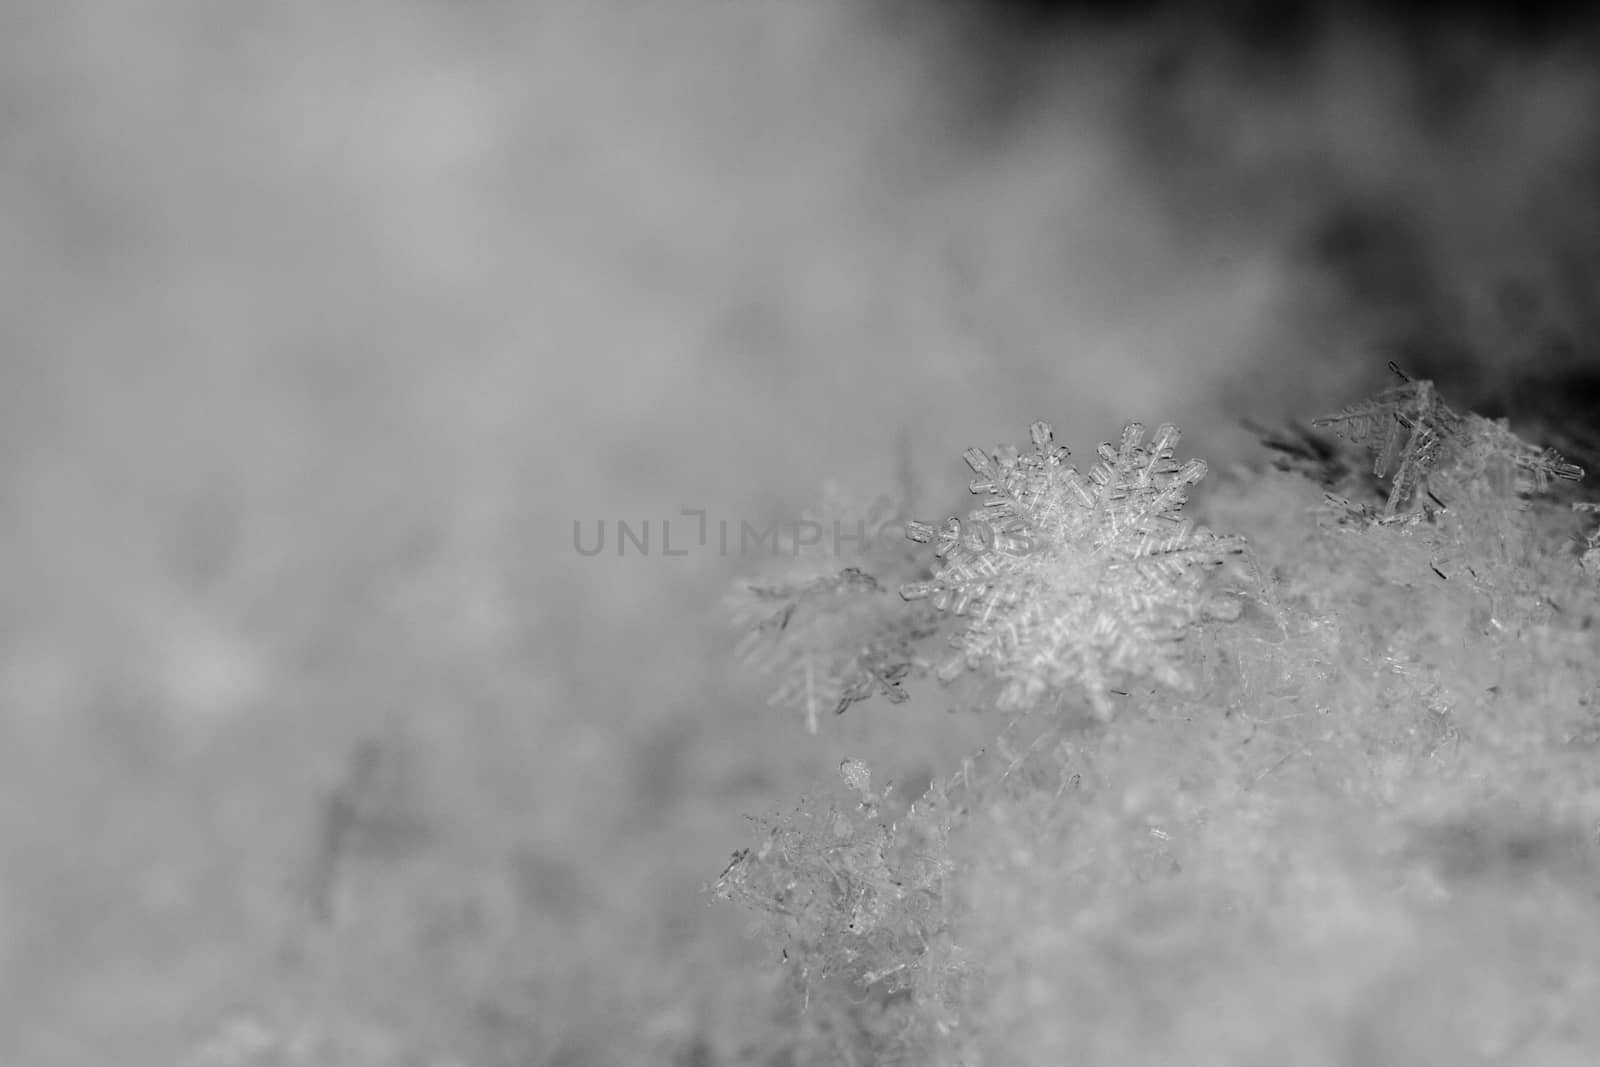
(1063, 578)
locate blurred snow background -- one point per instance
(324, 323)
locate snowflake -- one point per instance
(1067, 579)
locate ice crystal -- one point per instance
(858, 776)
(1416, 436)
(1063, 578)
(827, 636)
(857, 904)
(1590, 561)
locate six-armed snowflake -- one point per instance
(1063, 578)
